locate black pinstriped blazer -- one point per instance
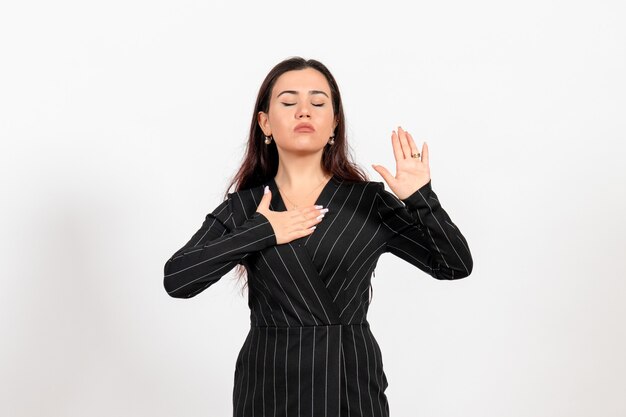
(310, 351)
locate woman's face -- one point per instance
(299, 96)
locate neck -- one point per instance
(302, 173)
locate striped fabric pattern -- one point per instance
(310, 350)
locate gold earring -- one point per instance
(332, 140)
(268, 139)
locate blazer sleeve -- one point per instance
(214, 250)
(422, 233)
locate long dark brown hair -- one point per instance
(260, 162)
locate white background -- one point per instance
(121, 122)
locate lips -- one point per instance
(304, 127)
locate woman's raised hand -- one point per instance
(292, 224)
(411, 173)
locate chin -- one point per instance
(307, 148)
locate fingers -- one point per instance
(412, 144)
(294, 224)
(384, 172)
(266, 199)
(425, 155)
(306, 219)
(414, 149)
(404, 143)
(313, 217)
(397, 146)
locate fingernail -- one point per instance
(318, 207)
(320, 217)
(312, 227)
(266, 189)
(324, 210)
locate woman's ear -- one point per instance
(263, 122)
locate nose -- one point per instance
(303, 111)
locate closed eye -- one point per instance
(291, 104)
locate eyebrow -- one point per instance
(295, 92)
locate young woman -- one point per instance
(308, 227)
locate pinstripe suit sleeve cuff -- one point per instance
(418, 199)
(264, 229)
(195, 268)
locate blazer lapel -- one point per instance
(311, 276)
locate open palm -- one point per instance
(411, 173)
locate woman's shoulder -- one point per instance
(244, 202)
(363, 188)
(359, 183)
